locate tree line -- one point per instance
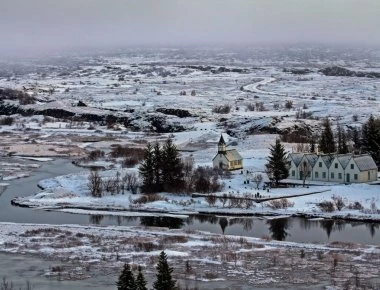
(363, 140)
(164, 280)
(163, 169)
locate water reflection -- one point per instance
(332, 225)
(96, 219)
(162, 221)
(291, 229)
(278, 228)
(223, 222)
(372, 228)
(247, 223)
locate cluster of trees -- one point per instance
(364, 140)
(164, 280)
(163, 169)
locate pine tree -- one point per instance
(326, 142)
(126, 279)
(371, 138)
(157, 167)
(312, 145)
(276, 167)
(146, 170)
(164, 279)
(172, 167)
(140, 281)
(342, 140)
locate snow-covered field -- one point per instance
(86, 103)
(195, 256)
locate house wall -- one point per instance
(310, 169)
(352, 175)
(234, 165)
(220, 159)
(336, 174)
(319, 170)
(293, 169)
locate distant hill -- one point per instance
(343, 72)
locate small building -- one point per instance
(342, 168)
(228, 159)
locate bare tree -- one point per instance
(95, 184)
(130, 181)
(305, 170)
(258, 178)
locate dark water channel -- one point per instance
(285, 229)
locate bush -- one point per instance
(7, 121)
(124, 151)
(147, 198)
(95, 155)
(130, 161)
(339, 203)
(288, 104)
(223, 109)
(356, 205)
(251, 107)
(280, 203)
(326, 206)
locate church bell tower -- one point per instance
(222, 147)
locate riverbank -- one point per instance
(360, 202)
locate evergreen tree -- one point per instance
(326, 141)
(356, 139)
(157, 167)
(164, 279)
(126, 279)
(276, 167)
(371, 138)
(146, 170)
(172, 167)
(140, 281)
(342, 140)
(312, 145)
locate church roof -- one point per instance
(233, 155)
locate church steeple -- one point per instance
(222, 147)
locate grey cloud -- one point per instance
(48, 24)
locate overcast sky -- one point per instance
(42, 25)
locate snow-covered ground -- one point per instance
(195, 256)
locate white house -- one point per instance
(228, 159)
(343, 168)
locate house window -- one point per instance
(332, 175)
(369, 175)
(352, 166)
(323, 174)
(308, 174)
(320, 164)
(355, 176)
(336, 165)
(293, 173)
(231, 164)
(316, 174)
(340, 175)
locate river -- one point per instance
(286, 229)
